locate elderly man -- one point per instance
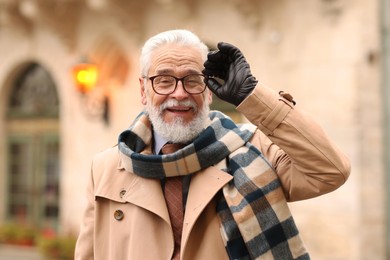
(185, 182)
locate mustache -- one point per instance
(174, 102)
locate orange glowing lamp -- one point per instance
(85, 76)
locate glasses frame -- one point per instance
(177, 81)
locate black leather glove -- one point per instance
(230, 76)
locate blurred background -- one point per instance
(69, 85)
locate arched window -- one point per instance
(33, 149)
(33, 94)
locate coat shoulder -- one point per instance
(109, 179)
(106, 158)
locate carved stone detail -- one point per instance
(63, 16)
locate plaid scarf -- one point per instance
(256, 222)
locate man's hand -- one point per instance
(230, 76)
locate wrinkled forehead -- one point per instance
(176, 59)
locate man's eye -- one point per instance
(164, 80)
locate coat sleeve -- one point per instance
(84, 245)
(307, 162)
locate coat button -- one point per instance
(118, 215)
(122, 193)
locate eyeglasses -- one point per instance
(166, 84)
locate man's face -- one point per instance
(178, 61)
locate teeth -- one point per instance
(180, 109)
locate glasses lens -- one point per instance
(194, 84)
(164, 84)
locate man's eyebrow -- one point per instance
(170, 71)
(164, 71)
(193, 71)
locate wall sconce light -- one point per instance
(85, 76)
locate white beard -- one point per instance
(178, 131)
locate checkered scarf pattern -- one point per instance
(256, 222)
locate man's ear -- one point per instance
(209, 95)
(143, 91)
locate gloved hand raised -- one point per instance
(229, 64)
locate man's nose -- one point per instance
(180, 92)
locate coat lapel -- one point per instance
(147, 193)
(204, 186)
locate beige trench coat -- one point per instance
(126, 217)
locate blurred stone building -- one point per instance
(332, 55)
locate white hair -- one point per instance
(180, 37)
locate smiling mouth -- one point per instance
(179, 109)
